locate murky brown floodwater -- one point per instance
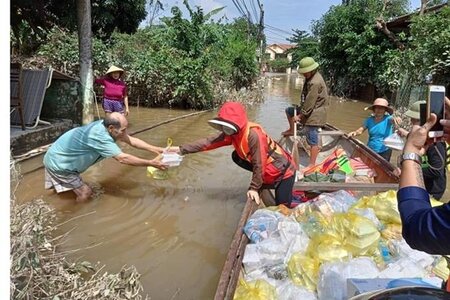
(177, 231)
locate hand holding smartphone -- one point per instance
(435, 104)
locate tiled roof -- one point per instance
(285, 47)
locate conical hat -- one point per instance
(114, 69)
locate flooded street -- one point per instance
(177, 231)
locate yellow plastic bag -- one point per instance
(392, 231)
(303, 270)
(327, 248)
(440, 269)
(257, 290)
(156, 173)
(384, 204)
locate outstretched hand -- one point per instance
(253, 195)
(157, 163)
(418, 136)
(173, 149)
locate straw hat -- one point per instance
(114, 69)
(414, 110)
(307, 64)
(383, 103)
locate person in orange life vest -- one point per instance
(254, 151)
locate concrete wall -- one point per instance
(62, 101)
(22, 141)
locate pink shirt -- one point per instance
(114, 89)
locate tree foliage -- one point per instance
(31, 20)
(179, 63)
(429, 49)
(352, 51)
(306, 45)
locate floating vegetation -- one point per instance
(40, 271)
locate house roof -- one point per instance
(405, 20)
(284, 47)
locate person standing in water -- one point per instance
(115, 94)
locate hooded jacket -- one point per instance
(270, 162)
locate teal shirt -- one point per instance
(378, 132)
(81, 147)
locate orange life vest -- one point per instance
(243, 149)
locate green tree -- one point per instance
(306, 45)
(427, 52)
(30, 20)
(351, 49)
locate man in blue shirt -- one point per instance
(424, 227)
(79, 148)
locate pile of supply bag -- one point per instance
(337, 167)
(333, 247)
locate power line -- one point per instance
(252, 2)
(278, 29)
(247, 11)
(276, 40)
(276, 33)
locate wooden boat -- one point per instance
(384, 180)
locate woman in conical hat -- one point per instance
(115, 94)
(380, 125)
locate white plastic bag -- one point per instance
(394, 141)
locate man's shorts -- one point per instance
(113, 106)
(312, 134)
(62, 183)
(291, 110)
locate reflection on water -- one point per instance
(177, 231)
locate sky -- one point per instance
(280, 16)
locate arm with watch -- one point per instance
(424, 227)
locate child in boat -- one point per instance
(380, 125)
(254, 151)
(115, 94)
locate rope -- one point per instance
(169, 121)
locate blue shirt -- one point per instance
(378, 132)
(81, 147)
(425, 228)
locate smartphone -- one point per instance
(436, 105)
(423, 113)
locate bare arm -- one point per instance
(402, 132)
(424, 227)
(125, 101)
(140, 144)
(417, 138)
(128, 159)
(358, 131)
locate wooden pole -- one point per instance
(85, 52)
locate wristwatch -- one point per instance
(409, 156)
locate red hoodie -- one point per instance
(251, 143)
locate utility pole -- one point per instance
(85, 50)
(261, 38)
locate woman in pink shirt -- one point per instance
(115, 97)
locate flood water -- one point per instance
(177, 231)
